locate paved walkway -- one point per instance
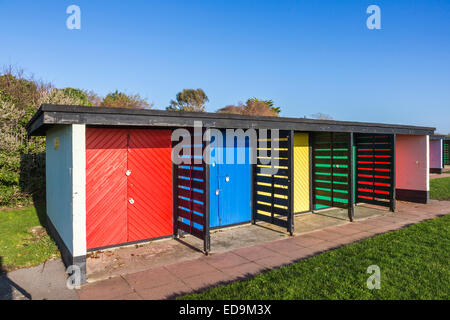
(105, 264)
(437, 176)
(44, 282)
(167, 282)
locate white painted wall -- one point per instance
(79, 189)
(66, 184)
(412, 162)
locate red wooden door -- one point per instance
(106, 187)
(149, 184)
(128, 185)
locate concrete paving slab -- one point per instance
(107, 289)
(254, 253)
(327, 234)
(192, 268)
(124, 260)
(44, 282)
(363, 235)
(244, 271)
(438, 176)
(169, 291)
(353, 238)
(9, 290)
(375, 222)
(299, 253)
(282, 246)
(345, 230)
(307, 241)
(325, 246)
(128, 296)
(150, 278)
(225, 260)
(207, 280)
(363, 226)
(274, 261)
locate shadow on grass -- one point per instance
(32, 181)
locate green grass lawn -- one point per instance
(440, 189)
(414, 264)
(18, 246)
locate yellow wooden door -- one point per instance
(301, 172)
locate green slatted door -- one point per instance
(446, 152)
(331, 169)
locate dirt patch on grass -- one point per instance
(38, 233)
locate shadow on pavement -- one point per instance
(7, 286)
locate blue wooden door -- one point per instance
(230, 187)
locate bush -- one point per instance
(22, 160)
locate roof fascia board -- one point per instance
(53, 114)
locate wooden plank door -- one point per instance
(106, 187)
(149, 184)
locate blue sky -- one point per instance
(308, 56)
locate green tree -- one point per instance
(232, 109)
(85, 98)
(22, 158)
(253, 107)
(192, 100)
(119, 99)
(269, 103)
(77, 94)
(22, 92)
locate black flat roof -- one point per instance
(438, 137)
(50, 115)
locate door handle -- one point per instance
(131, 201)
(128, 173)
